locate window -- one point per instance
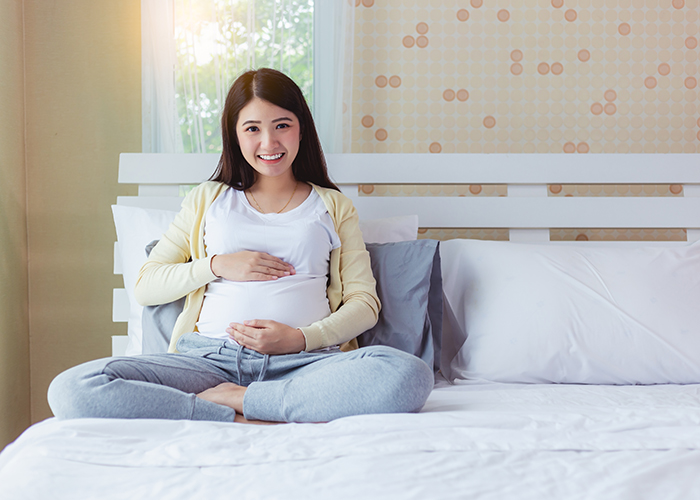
(217, 40)
(192, 50)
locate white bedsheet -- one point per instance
(476, 441)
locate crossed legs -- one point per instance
(223, 382)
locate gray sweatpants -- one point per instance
(303, 387)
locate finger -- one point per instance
(271, 258)
(246, 330)
(258, 323)
(272, 271)
(258, 276)
(272, 261)
(243, 339)
(275, 262)
(232, 327)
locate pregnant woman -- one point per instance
(278, 284)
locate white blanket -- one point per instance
(476, 441)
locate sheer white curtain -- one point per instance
(334, 22)
(159, 121)
(194, 49)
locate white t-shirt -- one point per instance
(302, 237)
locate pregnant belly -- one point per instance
(296, 301)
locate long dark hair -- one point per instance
(280, 90)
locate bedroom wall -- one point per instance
(528, 76)
(83, 107)
(14, 329)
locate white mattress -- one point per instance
(476, 441)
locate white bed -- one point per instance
(476, 439)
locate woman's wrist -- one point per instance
(303, 339)
(211, 266)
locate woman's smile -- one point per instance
(271, 158)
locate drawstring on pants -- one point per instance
(239, 351)
(263, 371)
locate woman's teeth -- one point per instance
(271, 157)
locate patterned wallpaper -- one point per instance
(528, 76)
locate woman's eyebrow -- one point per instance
(273, 121)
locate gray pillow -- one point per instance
(409, 285)
(157, 322)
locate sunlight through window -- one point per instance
(217, 40)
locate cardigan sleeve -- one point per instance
(359, 309)
(171, 271)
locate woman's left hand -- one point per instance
(267, 336)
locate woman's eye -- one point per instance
(282, 125)
(252, 128)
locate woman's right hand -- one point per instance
(250, 266)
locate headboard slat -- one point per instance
(159, 202)
(160, 168)
(544, 212)
(511, 212)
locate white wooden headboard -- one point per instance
(527, 211)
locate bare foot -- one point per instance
(226, 394)
(231, 395)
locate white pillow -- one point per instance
(571, 314)
(136, 228)
(390, 230)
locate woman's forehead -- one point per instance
(262, 111)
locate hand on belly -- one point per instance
(267, 337)
(250, 266)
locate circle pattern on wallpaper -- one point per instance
(617, 235)
(527, 77)
(616, 190)
(459, 190)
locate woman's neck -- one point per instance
(277, 195)
(273, 186)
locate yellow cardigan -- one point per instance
(168, 274)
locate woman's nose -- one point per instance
(268, 140)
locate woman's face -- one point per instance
(268, 137)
